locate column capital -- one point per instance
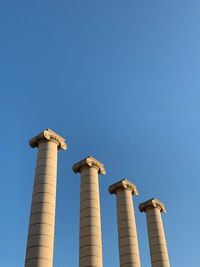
(48, 135)
(123, 184)
(90, 162)
(152, 203)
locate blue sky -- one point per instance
(120, 80)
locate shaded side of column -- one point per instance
(39, 252)
(156, 235)
(127, 232)
(90, 243)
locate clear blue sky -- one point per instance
(121, 81)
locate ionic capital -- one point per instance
(152, 203)
(90, 162)
(121, 185)
(48, 135)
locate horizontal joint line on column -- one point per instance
(127, 228)
(83, 184)
(43, 180)
(29, 259)
(36, 176)
(88, 175)
(89, 255)
(81, 237)
(124, 205)
(129, 254)
(125, 236)
(29, 236)
(39, 246)
(129, 245)
(125, 212)
(43, 202)
(45, 174)
(120, 229)
(153, 215)
(43, 192)
(91, 217)
(155, 223)
(89, 199)
(127, 220)
(39, 158)
(84, 199)
(159, 253)
(42, 224)
(124, 209)
(37, 184)
(48, 150)
(131, 263)
(45, 166)
(158, 244)
(84, 236)
(54, 158)
(90, 225)
(90, 191)
(156, 237)
(160, 261)
(89, 207)
(123, 194)
(84, 246)
(41, 212)
(156, 229)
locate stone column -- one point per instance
(90, 243)
(127, 233)
(157, 242)
(39, 251)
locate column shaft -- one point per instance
(90, 253)
(127, 234)
(40, 242)
(157, 242)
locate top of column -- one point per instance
(90, 162)
(152, 203)
(48, 135)
(123, 184)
